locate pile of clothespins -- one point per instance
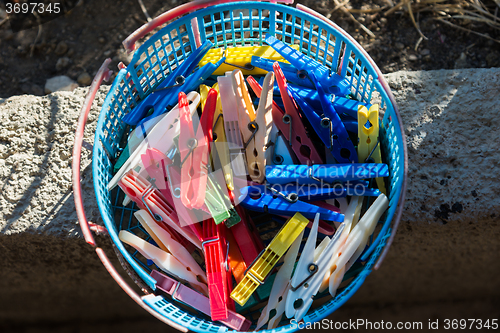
(201, 161)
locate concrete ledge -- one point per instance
(443, 263)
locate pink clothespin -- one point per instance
(194, 149)
(147, 197)
(197, 301)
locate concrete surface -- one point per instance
(444, 262)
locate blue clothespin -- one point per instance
(338, 190)
(177, 78)
(334, 84)
(324, 173)
(267, 199)
(337, 140)
(191, 83)
(292, 74)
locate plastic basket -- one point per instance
(231, 24)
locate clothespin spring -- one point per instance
(192, 144)
(150, 189)
(227, 250)
(253, 127)
(373, 150)
(179, 81)
(292, 197)
(248, 66)
(313, 269)
(175, 298)
(334, 184)
(215, 125)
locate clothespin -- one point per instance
(263, 265)
(340, 145)
(219, 135)
(161, 137)
(351, 219)
(290, 125)
(164, 260)
(334, 83)
(147, 197)
(281, 285)
(326, 173)
(309, 272)
(165, 241)
(302, 145)
(344, 106)
(216, 260)
(357, 237)
(194, 149)
(160, 167)
(175, 79)
(232, 130)
(197, 186)
(369, 141)
(291, 73)
(279, 153)
(255, 126)
(197, 301)
(240, 57)
(267, 199)
(220, 142)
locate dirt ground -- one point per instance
(94, 30)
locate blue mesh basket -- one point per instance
(229, 25)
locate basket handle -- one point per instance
(129, 42)
(103, 74)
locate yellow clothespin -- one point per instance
(219, 135)
(254, 126)
(264, 263)
(241, 57)
(369, 145)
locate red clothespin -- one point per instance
(197, 301)
(167, 179)
(247, 243)
(216, 260)
(290, 123)
(297, 137)
(194, 149)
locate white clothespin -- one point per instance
(358, 237)
(165, 261)
(160, 137)
(279, 291)
(351, 217)
(309, 272)
(231, 127)
(255, 126)
(168, 244)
